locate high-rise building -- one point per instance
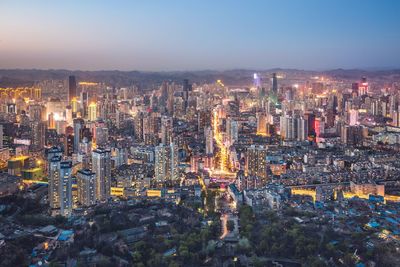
(101, 165)
(274, 83)
(92, 112)
(51, 122)
(38, 129)
(256, 161)
(86, 180)
(79, 124)
(72, 88)
(166, 162)
(60, 185)
(166, 130)
(209, 135)
(261, 123)
(232, 130)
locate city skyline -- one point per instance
(191, 35)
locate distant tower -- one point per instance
(86, 180)
(166, 162)
(274, 83)
(79, 124)
(60, 185)
(72, 89)
(101, 163)
(92, 112)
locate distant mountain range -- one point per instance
(27, 77)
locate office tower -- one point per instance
(261, 123)
(363, 87)
(274, 84)
(256, 161)
(101, 136)
(84, 101)
(352, 135)
(166, 162)
(92, 112)
(69, 145)
(209, 135)
(166, 130)
(37, 112)
(72, 89)
(74, 107)
(68, 114)
(232, 130)
(138, 127)
(51, 123)
(353, 117)
(60, 185)
(186, 89)
(79, 124)
(101, 165)
(86, 181)
(38, 129)
(203, 119)
(302, 129)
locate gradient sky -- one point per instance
(199, 34)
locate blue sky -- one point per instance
(203, 34)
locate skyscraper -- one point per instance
(60, 185)
(274, 83)
(86, 180)
(166, 162)
(101, 165)
(166, 130)
(79, 124)
(92, 112)
(72, 89)
(38, 129)
(209, 135)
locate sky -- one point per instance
(165, 35)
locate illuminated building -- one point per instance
(261, 124)
(79, 124)
(232, 130)
(208, 133)
(60, 185)
(74, 105)
(166, 162)
(166, 130)
(101, 165)
(17, 164)
(72, 88)
(37, 112)
(256, 161)
(86, 180)
(38, 129)
(363, 87)
(138, 127)
(92, 112)
(353, 117)
(101, 136)
(367, 189)
(293, 128)
(51, 121)
(352, 135)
